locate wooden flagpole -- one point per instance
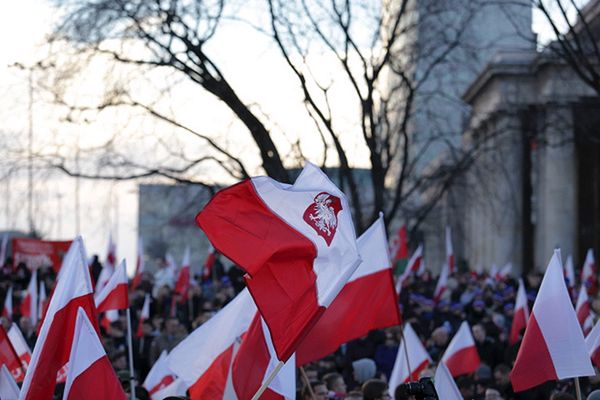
(577, 388)
(307, 382)
(268, 381)
(130, 351)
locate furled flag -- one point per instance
(553, 346)
(592, 342)
(139, 266)
(182, 285)
(504, 272)
(42, 301)
(588, 272)
(144, 315)
(582, 310)
(211, 258)
(445, 385)
(442, 283)
(521, 314)
(570, 272)
(9, 356)
(399, 249)
(29, 304)
(418, 359)
(449, 251)
(8, 387)
(53, 346)
(160, 377)
(368, 301)
(296, 243)
(461, 356)
(7, 309)
(20, 345)
(414, 263)
(114, 296)
(90, 375)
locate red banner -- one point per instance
(39, 253)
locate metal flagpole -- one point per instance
(406, 353)
(268, 381)
(130, 351)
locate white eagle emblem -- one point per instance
(322, 215)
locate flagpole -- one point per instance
(307, 382)
(130, 351)
(268, 381)
(406, 353)
(577, 388)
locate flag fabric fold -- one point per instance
(445, 385)
(461, 356)
(418, 359)
(296, 243)
(161, 381)
(553, 346)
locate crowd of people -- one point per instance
(359, 369)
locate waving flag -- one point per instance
(367, 302)
(461, 356)
(182, 286)
(592, 342)
(139, 266)
(414, 263)
(582, 310)
(144, 315)
(90, 375)
(114, 295)
(42, 302)
(29, 304)
(521, 314)
(7, 309)
(449, 251)
(8, 387)
(442, 283)
(296, 243)
(160, 377)
(553, 346)
(53, 347)
(418, 359)
(20, 345)
(9, 356)
(445, 385)
(211, 258)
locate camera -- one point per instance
(421, 390)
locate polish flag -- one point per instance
(20, 345)
(9, 356)
(588, 272)
(461, 356)
(52, 350)
(449, 251)
(570, 272)
(418, 358)
(399, 247)
(211, 258)
(139, 266)
(504, 272)
(7, 310)
(202, 359)
(414, 263)
(367, 302)
(296, 243)
(442, 283)
(553, 347)
(582, 309)
(90, 375)
(42, 302)
(160, 377)
(144, 315)
(114, 296)
(111, 253)
(521, 314)
(592, 342)
(182, 286)
(108, 317)
(445, 385)
(29, 303)
(8, 387)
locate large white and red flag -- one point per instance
(449, 251)
(9, 389)
(413, 265)
(20, 345)
(182, 285)
(521, 314)
(442, 283)
(52, 350)
(7, 309)
(461, 356)
(588, 272)
(29, 303)
(90, 375)
(139, 265)
(144, 315)
(418, 359)
(296, 243)
(570, 272)
(9, 356)
(445, 385)
(114, 295)
(368, 301)
(592, 342)
(160, 377)
(553, 346)
(582, 310)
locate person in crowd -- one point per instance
(318, 389)
(335, 384)
(375, 389)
